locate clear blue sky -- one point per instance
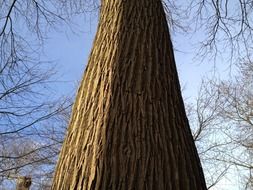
(71, 50)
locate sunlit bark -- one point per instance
(128, 128)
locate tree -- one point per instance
(226, 28)
(203, 122)
(129, 128)
(31, 122)
(26, 118)
(32, 151)
(221, 121)
(235, 96)
(23, 28)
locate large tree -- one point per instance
(129, 128)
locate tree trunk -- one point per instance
(129, 129)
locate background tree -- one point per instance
(224, 27)
(221, 121)
(32, 123)
(207, 136)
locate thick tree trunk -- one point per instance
(129, 128)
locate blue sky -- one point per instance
(71, 50)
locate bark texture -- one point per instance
(128, 129)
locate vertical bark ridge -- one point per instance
(128, 129)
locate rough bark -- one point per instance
(129, 129)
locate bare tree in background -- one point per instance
(237, 112)
(222, 125)
(203, 122)
(33, 150)
(226, 27)
(32, 123)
